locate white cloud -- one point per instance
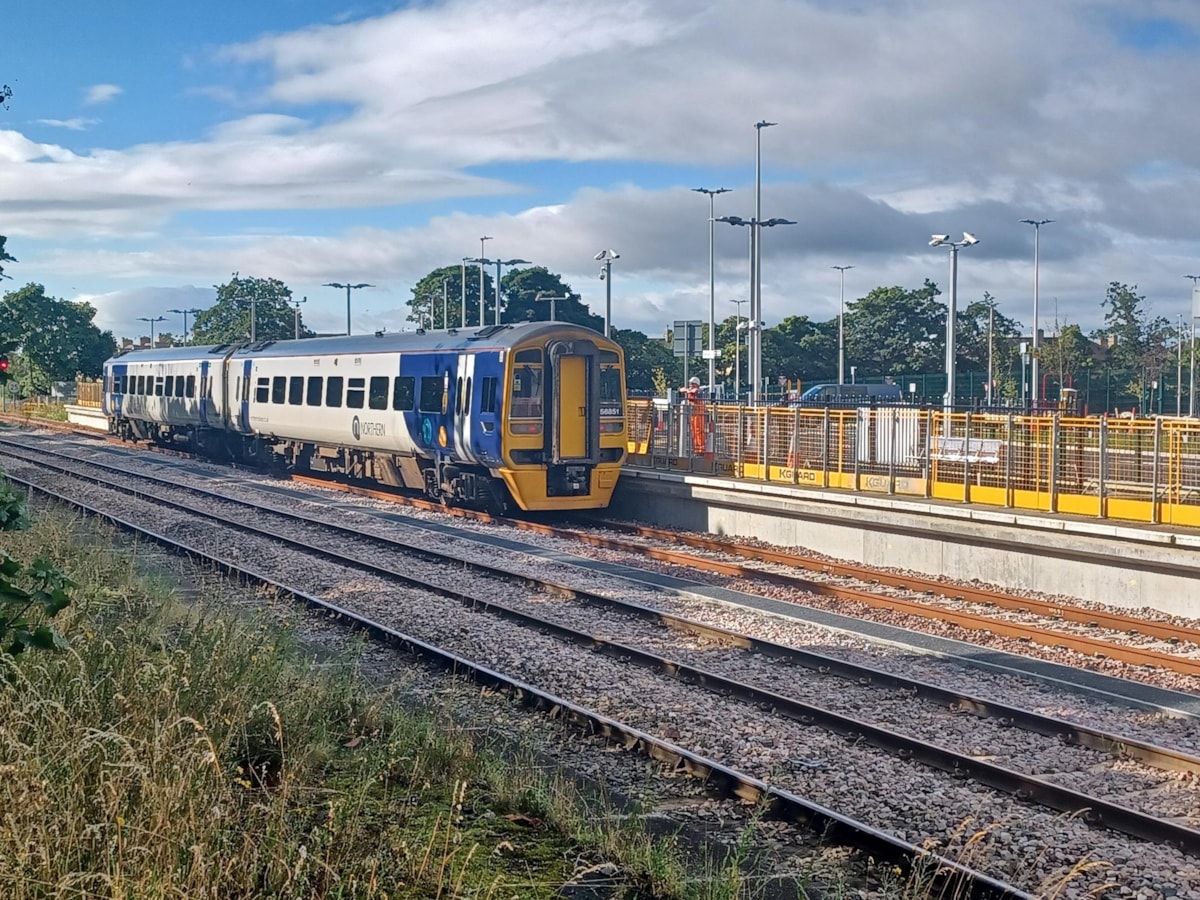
(76, 124)
(100, 93)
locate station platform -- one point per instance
(1118, 563)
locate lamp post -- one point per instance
(606, 276)
(756, 310)
(1037, 342)
(499, 262)
(737, 353)
(943, 240)
(841, 324)
(1192, 361)
(152, 321)
(549, 295)
(753, 343)
(186, 313)
(462, 323)
(445, 304)
(349, 287)
(712, 312)
(296, 308)
(482, 260)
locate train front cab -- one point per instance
(564, 435)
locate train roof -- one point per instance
(499, 336)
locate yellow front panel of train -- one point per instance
(571, 414)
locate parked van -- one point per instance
(851, 394)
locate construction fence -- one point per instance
(1144, 470)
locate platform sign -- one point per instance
(688, 338)
(1195, 302)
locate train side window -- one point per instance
(191, 386)
(262, 393)
(377, 396)
(169, 386)
(278, 389)
(458, 396)
(333, 390)
(355, 392)
(158, 385)
(118, 382)
(487, 402)
(611, 393)
(139, 384)
(316, 386)
(402, 392)
(296, 390)
(467, 398)
(431, 394)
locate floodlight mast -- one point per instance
(1037, 342)
(943, 240)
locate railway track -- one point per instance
(1099, 810)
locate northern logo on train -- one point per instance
(356, 429)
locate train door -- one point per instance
(202, 393)
(463, 388)
(575, 403)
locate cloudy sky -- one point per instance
(152, 149)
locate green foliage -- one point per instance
(4, 255)
(30, 596)
(59, 340)
(520, 288)
(427, 294)
(643, 357)
(228, 320)
(896, 330)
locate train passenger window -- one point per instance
(141, 384)
(467, 398)
(316, 387)
(278, 389)
(431, 394)
(333, 390)
(377, 396)
(527, 392)
(611, 399)
(158, 386)
(118, 384)
(191, 386)
(458, 396)
(296, 390)
(355, 392)
(169, 386)
(262, 391)
(487, 403)
(402, 392)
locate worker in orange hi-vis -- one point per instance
(691, 395)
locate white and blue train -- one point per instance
(531, 413)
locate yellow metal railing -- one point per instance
(90, 393)
(1145, 470)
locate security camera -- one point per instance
(599, 255)
(938, 239)
(601, 274)
(614, 254)
(969, 238)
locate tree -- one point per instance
(425, 304)
(892, 330)
(798, 348)
(643, 356)
(4, 255)
(229, 319)
(60, 342)
(520, 288)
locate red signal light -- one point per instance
(3, 363)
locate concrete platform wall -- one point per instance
(1097, 561)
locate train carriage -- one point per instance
(531, 412)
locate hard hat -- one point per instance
(694, 380)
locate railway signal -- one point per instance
(4, 364)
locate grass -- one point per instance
(181, 751)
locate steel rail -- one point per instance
(1025, 787)
(948, 876)
(1062, 730)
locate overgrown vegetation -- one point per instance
(179, 751)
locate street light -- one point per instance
(445, 304)
(482, 260)
(499, 262)
(296, 307)
(549, 295)
(606, 276)
(756, 310)
(186, 313)
(841, 325)
(712, 325)
(943, 240)
(152, 321)
(754, 343)
(349, 287)
(1037, 230)
(737, 353)
(1192, 363)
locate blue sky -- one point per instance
(150, 149)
